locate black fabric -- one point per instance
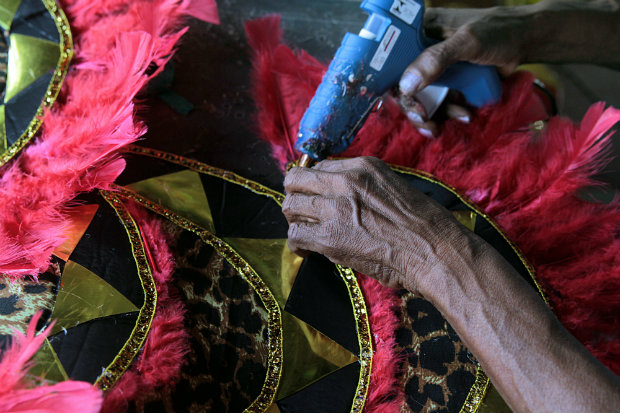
(482, 228)
(19, 111)
(141, 167)
(440, 194)
(240, 213)
(333, 393)
(320, 298)
(88, 348)
(33, 19)
(105, 250)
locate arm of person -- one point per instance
(359, 213)
(551, 31)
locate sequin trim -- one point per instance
(66, 45)
(274, 363)
(208, 170)
(145, 317)
(481, 384)
(355, 293)
(363, 337)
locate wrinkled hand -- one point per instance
(491, 36)
(359, 213)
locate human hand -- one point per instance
(491, 36)
(359, 213)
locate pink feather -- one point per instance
(527, 179)
(115, 41)
(15, 394)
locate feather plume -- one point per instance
(527, 177)
(116, 42)
(15, 394)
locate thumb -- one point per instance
(430, 64)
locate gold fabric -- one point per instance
(29, 58)
(85, 296)
(181, 192)
(467, 218)
(493, 402)
(3, 143)
(78, 219)
(47, 366)
(8, 8)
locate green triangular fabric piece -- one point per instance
(29, 58)
(181, 192)
(85, 296)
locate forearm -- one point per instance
(531, 359)
(569, 31)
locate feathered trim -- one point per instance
(385, 395)
(159, 364)
(16, 394)
(119, 46)
(526, 175)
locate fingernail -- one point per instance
(464, 119)
(409, 83)
(414, 117)
(426, 132)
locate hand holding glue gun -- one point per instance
(369, 64)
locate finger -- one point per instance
(427, 129)
(300, 237)
(430, 64)
(458, 112)
(307, 180)
(413, 109)
(346, 165)
(302, 207)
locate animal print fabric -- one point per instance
(437, 369)
(226, 366)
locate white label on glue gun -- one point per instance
(385, 47)
(406, 10)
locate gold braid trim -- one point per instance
(145, 317)
(363, 336)
(274, 364)
(66, 53)
(481, 384)
(208, 170)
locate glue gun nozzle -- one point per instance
(305, 161)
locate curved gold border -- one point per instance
(472, 205)
(66, 45)
(355, 293)
(480, 387)
(208, 170)
(125, 356)
(274, 365)
(363, 336)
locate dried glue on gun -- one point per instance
(369, 64)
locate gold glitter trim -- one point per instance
(274, 363)
(145, 317)
(481, 384)
(208, 170)
(66, 45)
(363, 336)
(470, 204)
(476, 393)
(355, 293)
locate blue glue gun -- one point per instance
(367, 65)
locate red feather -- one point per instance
(527, 179)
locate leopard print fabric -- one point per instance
(437, 369)
(21, 299)
(227, 322)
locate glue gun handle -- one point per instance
(479, 84)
